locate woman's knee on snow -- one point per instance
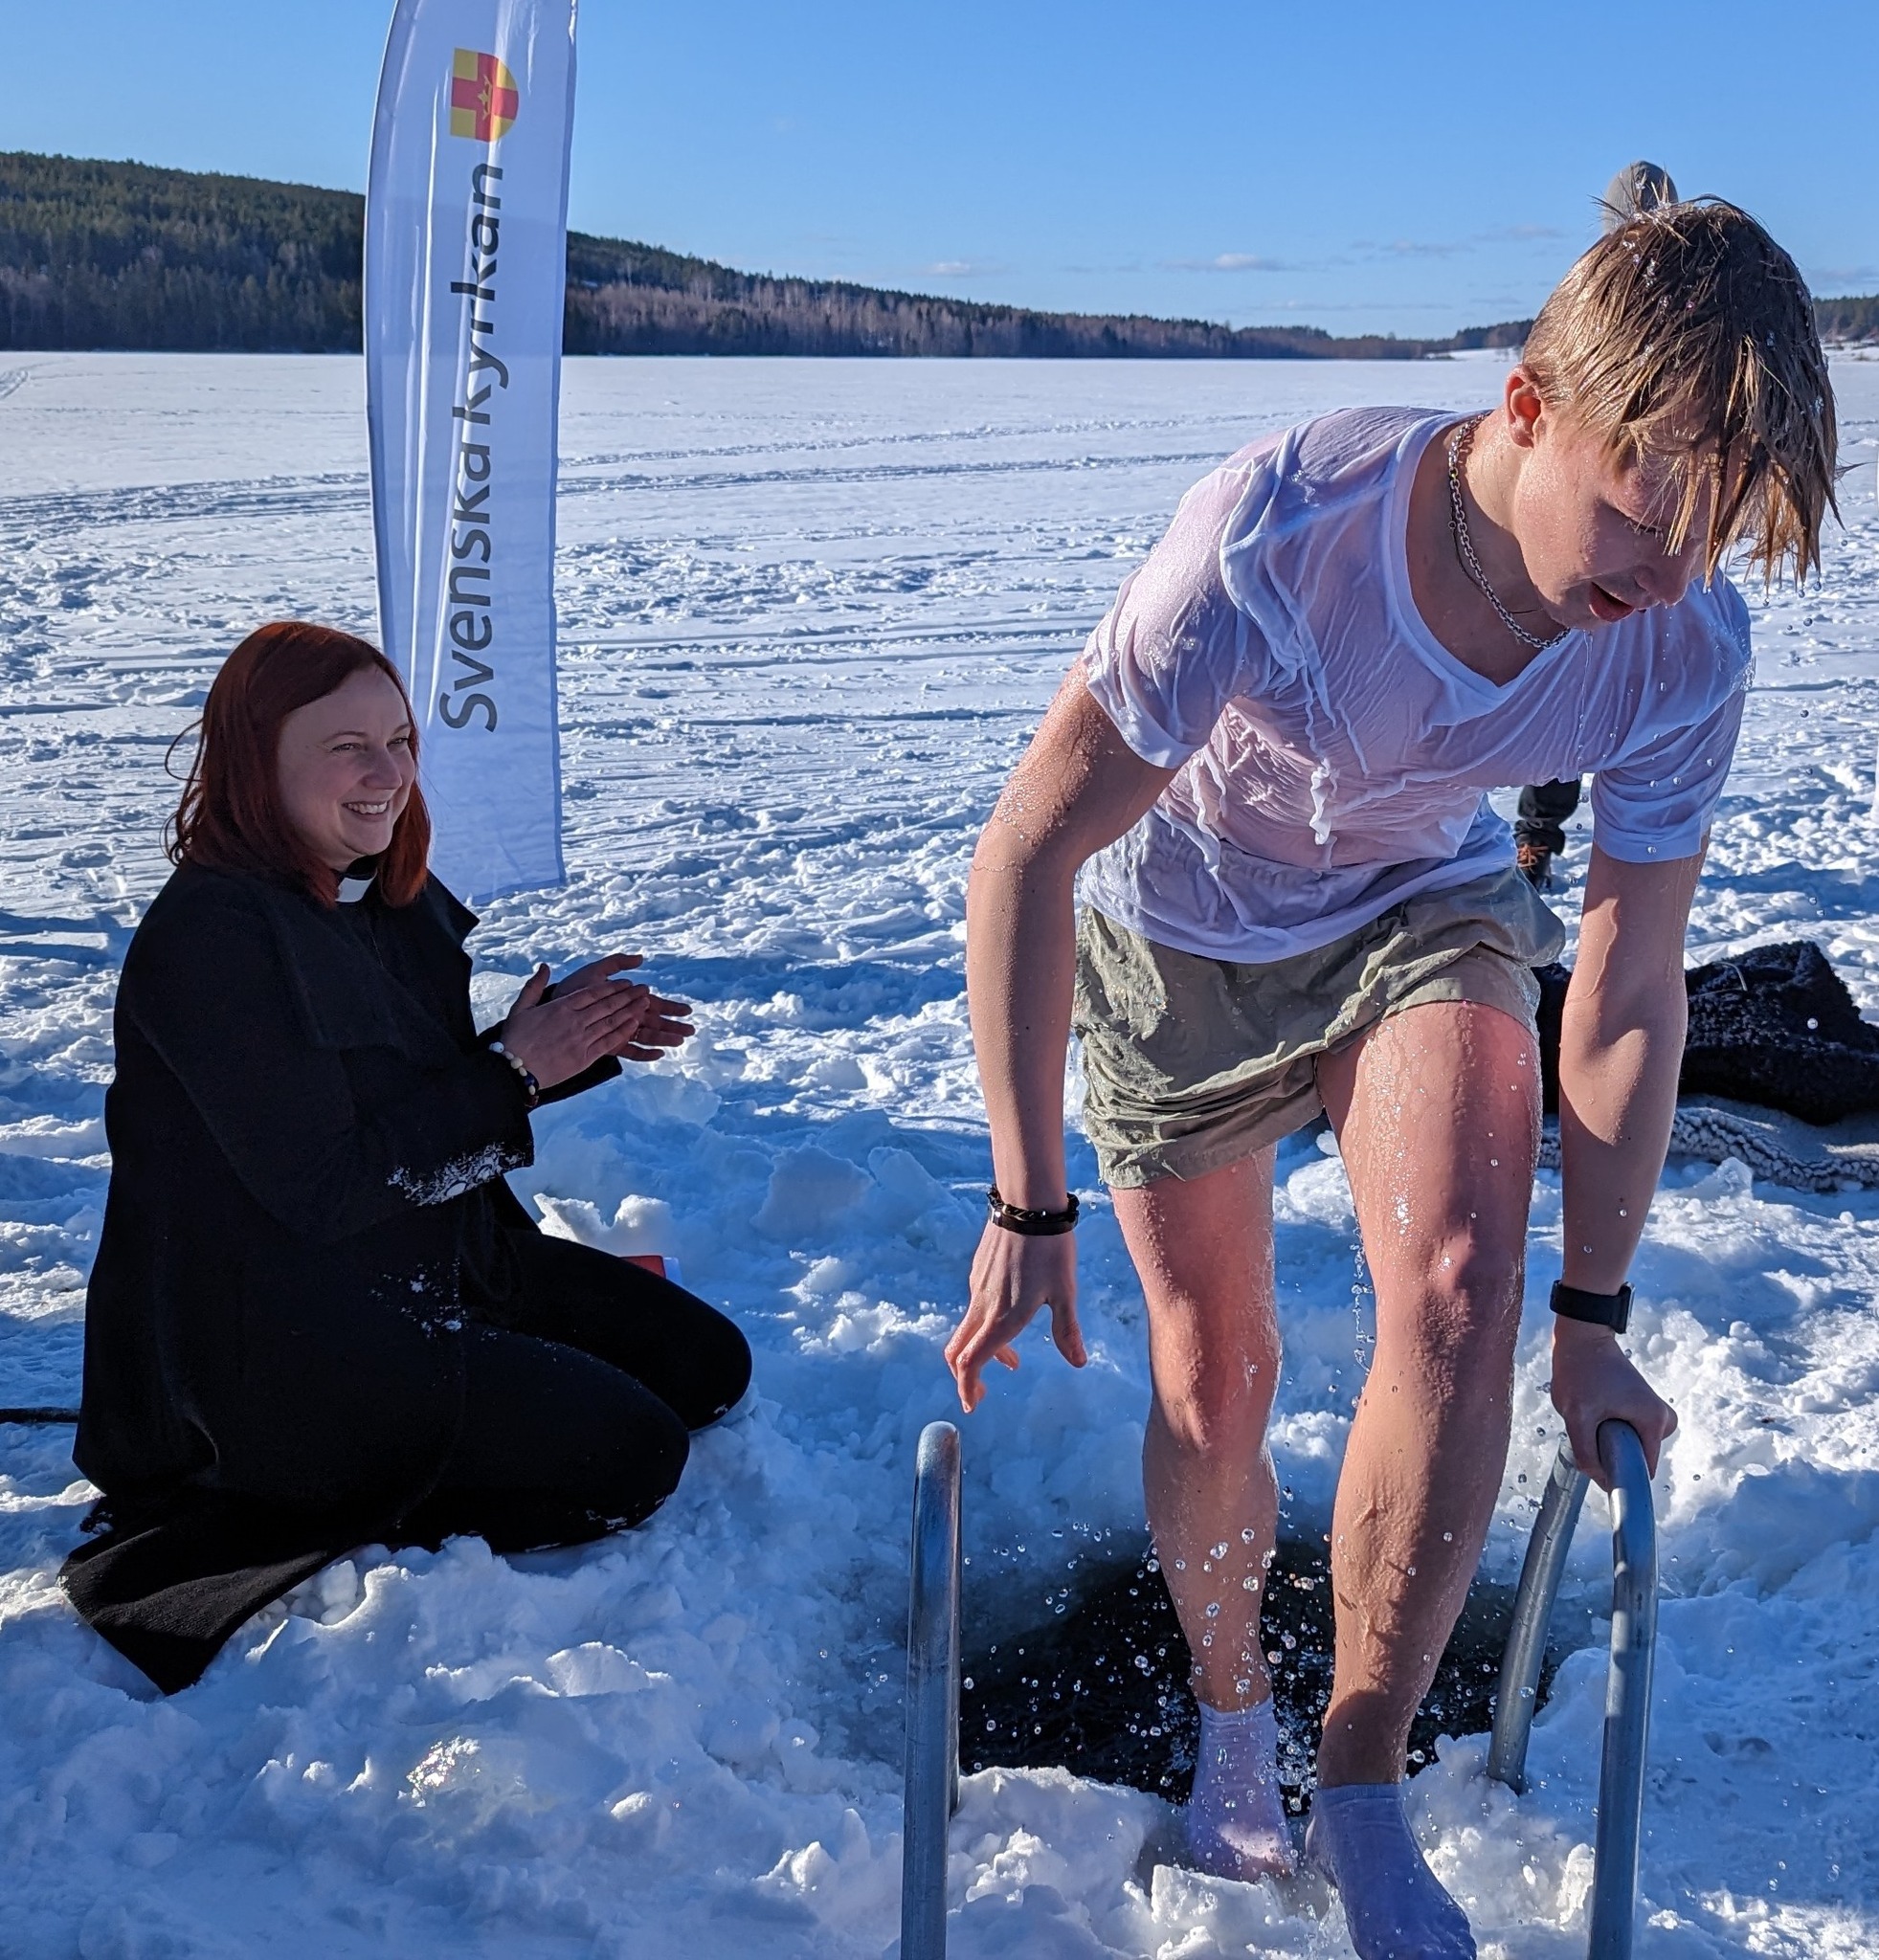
(640, 1465)
(717, 1372)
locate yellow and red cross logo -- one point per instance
(484, 97)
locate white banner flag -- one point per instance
(466, 215)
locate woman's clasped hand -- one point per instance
(557, 1031)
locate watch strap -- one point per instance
(1611, 1310)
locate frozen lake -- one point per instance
(810, 613)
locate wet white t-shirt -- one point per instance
(1333, 755)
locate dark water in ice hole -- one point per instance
(1101, 1690)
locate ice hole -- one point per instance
(1103, 1688)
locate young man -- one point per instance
(1545, 808)
(1272, 758)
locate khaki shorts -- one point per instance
(1193, 1063)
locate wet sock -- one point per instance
(1395, 1906)
(1236, 1818)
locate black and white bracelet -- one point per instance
(531, 1089)
(1031, 1224)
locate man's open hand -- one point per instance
(1014, 1274)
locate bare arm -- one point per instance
(1078, 788)
(1620, 1049)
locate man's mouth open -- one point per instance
(1608, 606)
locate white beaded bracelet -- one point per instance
(530, 1087)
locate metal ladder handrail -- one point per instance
(1627, 1686)
(933, 1694)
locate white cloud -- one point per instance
(1229, 261)
(1413, 248)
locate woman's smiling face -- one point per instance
(347, 768)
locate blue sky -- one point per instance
(1370, 165)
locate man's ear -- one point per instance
(1524, 404)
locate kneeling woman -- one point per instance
(318, 1318)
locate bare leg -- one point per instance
(1437, 1111)
(1203, 1250)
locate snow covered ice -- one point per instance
(810, 613)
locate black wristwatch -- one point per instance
(1611, 1310)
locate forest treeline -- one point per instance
(1848, 323)
(124, 256)
(127, 257)
(625, 298)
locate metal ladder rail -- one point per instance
(1627, 1687)
(933, 1694)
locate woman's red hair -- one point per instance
(230, 817)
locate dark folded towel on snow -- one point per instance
(1775, 1026)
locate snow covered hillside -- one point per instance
(810, 612)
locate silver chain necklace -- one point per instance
(1460, 442)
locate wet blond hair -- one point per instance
(1686, 335)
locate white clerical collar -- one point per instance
(352, 887)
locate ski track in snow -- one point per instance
(811, 614)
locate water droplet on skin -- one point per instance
(1412, 1571)
(1494, 1163)
(1449, 1538)
(1213, 1609)
(1220, 1550)
(1622, 1212)
(1249, 1534)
